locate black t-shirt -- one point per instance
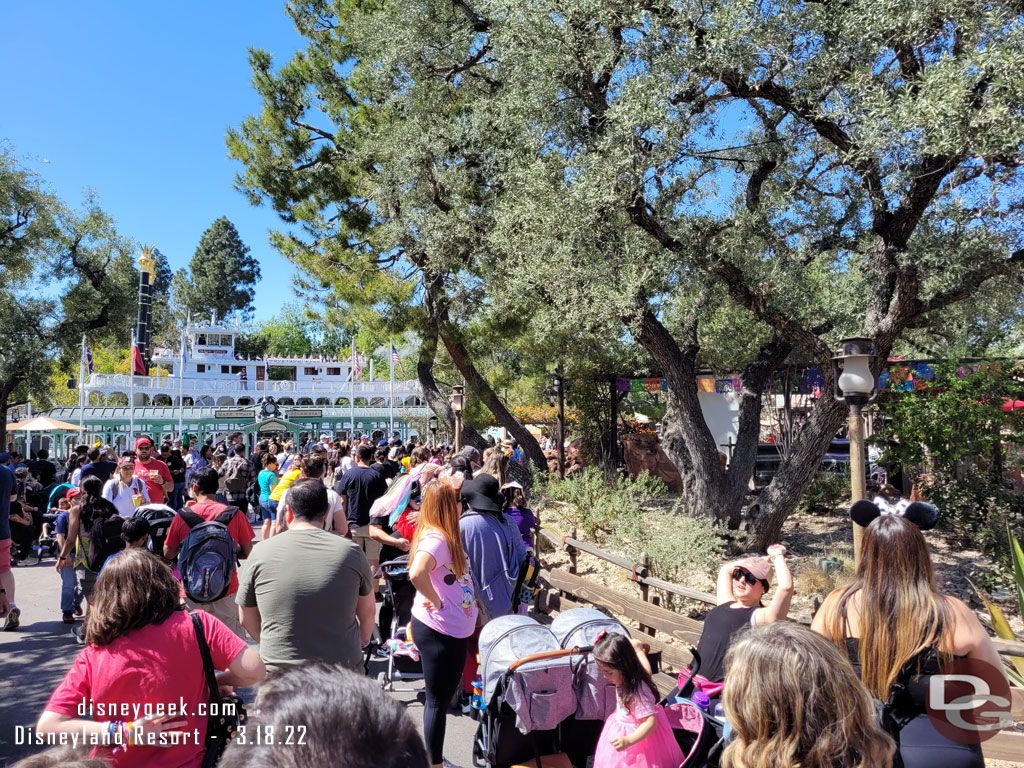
(44, 471)
(721, 623)
(176, 465)
(361, 486)
(101, 469)
(385, 470)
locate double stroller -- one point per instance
(403, 659)
(546, 702)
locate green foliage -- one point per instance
(294, 331)
(676, 545)
(955, 418)
(825, 494)
(62, 273)
(979, 511)
(220, 276)
(595, 503)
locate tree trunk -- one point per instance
(437, 401)
(483, 391)
(5, 393)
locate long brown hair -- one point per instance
(440, 512)
(901, 611)
(794, 700)
(136, 589)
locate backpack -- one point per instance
(160, 517)
(527, 583)
(252, 495)
(208, 556)
(104, 540)
(234, 474)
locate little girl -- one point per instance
(637, 734)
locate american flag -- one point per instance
(356, 370)
(396, 359)
(88, 358)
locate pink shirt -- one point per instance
(457, 614)
(159, 665)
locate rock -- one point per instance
(643, 451)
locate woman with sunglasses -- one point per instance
(741, 586)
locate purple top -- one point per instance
(525, 522)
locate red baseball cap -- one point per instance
(72, 493)
(143, 440)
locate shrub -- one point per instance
(978, 512)
(826, 493)
(682, 549)
(596, 503)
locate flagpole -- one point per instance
(352, 399)
(81, 388)
(131, 395)
(181, 390)
(391, 399)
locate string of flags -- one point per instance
(811, 382)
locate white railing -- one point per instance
(169, 385)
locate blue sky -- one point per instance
(133, 99)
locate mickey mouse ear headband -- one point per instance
(923, 515)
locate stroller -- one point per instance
(160, 517)
(403, 659)
(546, 701)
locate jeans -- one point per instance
(269, 509)
(70, 597)
(177, 500)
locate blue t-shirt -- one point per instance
(60, 525)
(7, 485)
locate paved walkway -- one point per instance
(34, 658)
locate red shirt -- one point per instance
(158, 665)
(239, 529)
(156, 490)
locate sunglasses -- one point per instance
(739, 574)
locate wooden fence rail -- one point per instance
(564, 589)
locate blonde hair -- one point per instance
(901, 611)
(439, 512)
(794, 700)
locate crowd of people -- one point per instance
(300, 602)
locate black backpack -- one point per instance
(160, 517)
(208, 556)
(104, 540)
(252, 495)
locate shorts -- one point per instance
(361, 536)
(268, 509)
(5, 556)
(86, 580)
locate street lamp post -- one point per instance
(432, 426)
(854, 382)
(458, 401)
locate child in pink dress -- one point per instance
(637, 734)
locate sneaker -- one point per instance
(76, 632)
(382, 652)
(78, 610)
(13, 620)
(69, 617)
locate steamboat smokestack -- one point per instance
(143, 329)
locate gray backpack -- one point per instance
(208, 556)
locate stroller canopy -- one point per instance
(580, 627)
(540, 692)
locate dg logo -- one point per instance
(969, 701)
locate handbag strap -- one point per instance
(204, 651)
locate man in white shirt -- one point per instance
(124, 490)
